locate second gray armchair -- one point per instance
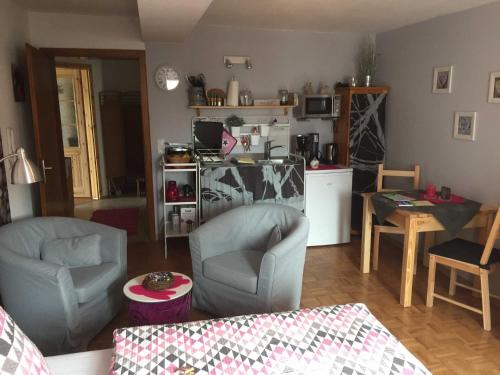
(240, 267)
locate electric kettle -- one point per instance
(331, 153)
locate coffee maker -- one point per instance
(312, 147)
(301, 142)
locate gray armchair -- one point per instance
(234, 273)
(60, 309)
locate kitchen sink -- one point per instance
(274, 161)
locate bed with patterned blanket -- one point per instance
(339, 339)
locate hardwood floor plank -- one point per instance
(447, 339)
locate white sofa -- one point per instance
(96, 362)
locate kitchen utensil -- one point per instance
(283, 97)
(331, 153)
(300, 147)
(312, 147)
(233, 90)
(172, 194)
(176, 222)
(445, 193)
(430, 191)
(246, 97)
(177, 153)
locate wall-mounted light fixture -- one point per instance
(229, 61)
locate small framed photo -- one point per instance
(494, 92)
(465, 126)
(442, 80)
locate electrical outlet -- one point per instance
(161, 146)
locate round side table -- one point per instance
(167, 306)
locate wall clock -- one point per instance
(166, 78)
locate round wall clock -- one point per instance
(166, 78)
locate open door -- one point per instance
(56, 192)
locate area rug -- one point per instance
(121, 218)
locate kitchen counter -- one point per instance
(228, 185)
(327, 168)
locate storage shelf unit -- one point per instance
(198, 108)
(174, 168)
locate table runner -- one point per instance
(339, 339)
(452, 216)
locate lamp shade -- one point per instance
(24, 170)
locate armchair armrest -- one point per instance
(282, 266)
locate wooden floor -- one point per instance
(447, 339)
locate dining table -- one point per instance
(414, 221)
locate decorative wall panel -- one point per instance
(366, 139)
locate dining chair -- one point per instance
(378, 229)
(469, 257)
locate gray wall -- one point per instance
(15, 115)
(420, 124)
(281, 59)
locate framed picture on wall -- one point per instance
(494, 92)
(464, 126)
(442, 80)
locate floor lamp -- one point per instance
(24, 170)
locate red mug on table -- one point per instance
(430, 191)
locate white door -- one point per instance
(328, 207)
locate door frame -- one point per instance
(140, 57)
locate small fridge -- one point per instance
(328, 205)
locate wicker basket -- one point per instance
(157, 281)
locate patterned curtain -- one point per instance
(4, 193)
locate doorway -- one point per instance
(74, 87)
(78, 132)
(100, 107)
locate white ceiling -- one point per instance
(331, 15)
(169, 20)
(173, 20)
(98, 7)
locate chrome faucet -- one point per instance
(268, 148)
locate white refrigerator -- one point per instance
(328, 205)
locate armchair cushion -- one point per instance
(237, 269)
(91, 281)
(274, 237)
(73, 252)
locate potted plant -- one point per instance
(367, 61)
(235, 123)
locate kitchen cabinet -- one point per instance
(328, 206)
(360, 136)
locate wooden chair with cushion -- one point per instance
(469, 257)
(377, 229)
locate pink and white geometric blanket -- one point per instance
(339, 339)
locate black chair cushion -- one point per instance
(465, 251)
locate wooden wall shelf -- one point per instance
(198, 108)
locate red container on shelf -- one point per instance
(171, 195)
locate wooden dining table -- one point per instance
(413, 223)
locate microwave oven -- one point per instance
(318, 106)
